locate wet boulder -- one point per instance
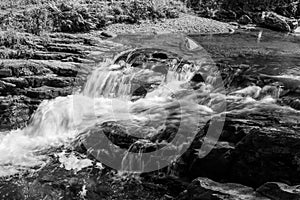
(278, 191)
(277, 22)
(204, 188)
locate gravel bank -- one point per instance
(185, 24)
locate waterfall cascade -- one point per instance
(107, 97)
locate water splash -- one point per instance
(106, 97)
(72, 162)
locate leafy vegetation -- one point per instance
(36, 16)
(209, 8)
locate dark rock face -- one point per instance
(265, 155)
(203, 188)
(251, 150)
(278, 191)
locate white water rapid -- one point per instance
(107, 97)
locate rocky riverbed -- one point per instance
(255, 157)
(55, 62)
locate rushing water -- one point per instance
(107, 96)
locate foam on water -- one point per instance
(106, 97)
